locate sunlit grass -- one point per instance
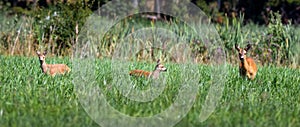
(30, 98)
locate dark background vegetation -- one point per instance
(255, 10)
(270, 25)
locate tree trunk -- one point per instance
(157, 8)
(135, 3)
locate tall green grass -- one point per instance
(57, 29)
(30, 98)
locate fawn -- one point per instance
(51, 69)
(247, 65)
(155, 74)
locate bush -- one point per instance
(280, 38)
(52, 28)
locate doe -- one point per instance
(154, 74)
(247, 65)
(51, 69)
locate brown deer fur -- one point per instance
(51, 69)
(247, 65)
(155, 74)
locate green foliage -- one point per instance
(280, 39)
(54, 29)
(275, 44)
(279, 2)
(56, 25)
(203, 5)
(296, 2)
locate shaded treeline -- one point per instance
(54, 26)
(256, 11)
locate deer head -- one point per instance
(41, 56)
(242, 51)
(159, 66)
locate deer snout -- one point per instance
(241, 57)
(41, 58)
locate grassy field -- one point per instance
(30, 98)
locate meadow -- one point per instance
(30, 98)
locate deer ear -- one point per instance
(237, 47)
(158, 61)
(38, 52)
(45, 52)
(248, 47)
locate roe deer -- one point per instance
(155, 74)
(247, 65)
(51, 69)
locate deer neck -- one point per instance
(155, 74)
(43, 66)
(244, 62)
